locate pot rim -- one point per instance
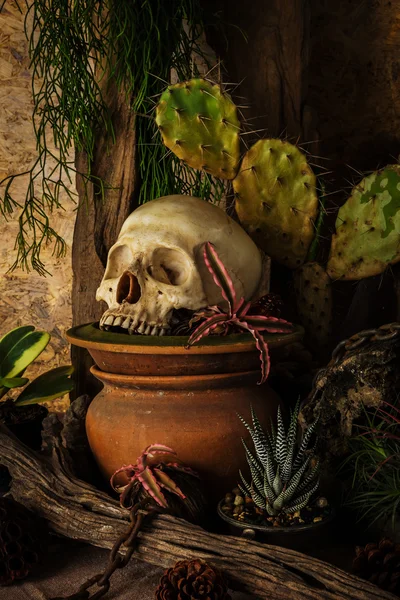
(274, 530)
(90, 336)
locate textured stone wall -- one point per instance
(28, 298)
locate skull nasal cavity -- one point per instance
(128, 289)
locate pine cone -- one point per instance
(20, 541)
(380, 564)
(192, 580)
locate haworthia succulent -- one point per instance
(276, 200)
(273, 487)
(367, 237)
(198, 122)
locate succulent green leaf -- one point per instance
(12, 337)
(262, 436)
(198, 123)
(277, 484)
(258, 498)
(277, 201)
(13, 382)
(290, 490)
(268, 491)
(301, 501)
(23, 353)
(247, 488)
(368, 227)
(47, 387)
(281, 444)
(290, 442)
(304, 446)
(308, 482)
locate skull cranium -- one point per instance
(156, 265)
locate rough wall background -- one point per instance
(28, 298)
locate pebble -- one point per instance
(236, 491)
(322, 502)
(317, 519)
(226, 508)
(237, 510)
(229, 497)
(248, 500)
(238, 501)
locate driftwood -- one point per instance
(73, 508)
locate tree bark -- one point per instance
(99, 221)
(265, 51)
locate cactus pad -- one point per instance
(276, 200)
(314, 301)
(199, 123)
(367, 237)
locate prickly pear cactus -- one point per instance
(199, 123)
(314, 301)
(367, 237)
(276, 200)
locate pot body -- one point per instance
(158, 391)
(195, 415)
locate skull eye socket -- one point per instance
(169, 266)
(119, 260)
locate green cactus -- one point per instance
(198, 122)
(314, 301)
(284, 474)
(276, 200)
(367, 237)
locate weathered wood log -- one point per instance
(75, 509)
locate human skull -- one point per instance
(157, 263)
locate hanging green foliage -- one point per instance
(73, 44)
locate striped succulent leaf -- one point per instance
(220, 275)
(279, 482)
(301, 501)
(236, 318)
(304, 445)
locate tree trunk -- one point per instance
(266, 52)
(99, 221)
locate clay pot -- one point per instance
(156, 391)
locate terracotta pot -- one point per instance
(157, 391)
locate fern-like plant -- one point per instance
(284, 475)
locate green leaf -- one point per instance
(47, 387)
(23, 353)
(13, 382)
(11, 338)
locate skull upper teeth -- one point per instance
(132, 324)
